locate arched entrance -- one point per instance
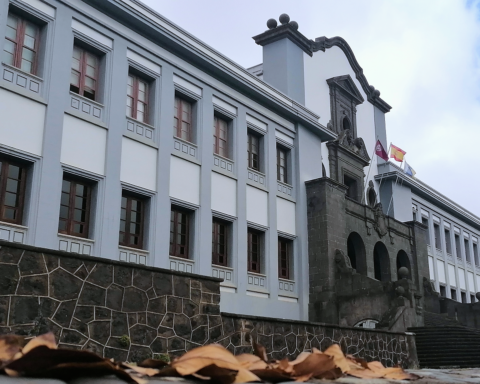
(404, 261)
(356, 253)
(381, 262)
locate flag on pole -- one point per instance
(397, 153)
(380, 151)
(409, 170)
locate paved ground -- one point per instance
(430, 376)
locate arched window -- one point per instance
(356, 253)
(346, 123)
(404, 261)
(381, 262)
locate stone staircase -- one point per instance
(439, 320)
(447, 346)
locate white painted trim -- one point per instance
(227, 289)
(456, 230)
(424, 213)
(41, 6)
(284, 137)
(257, 123)
(187, 85)
(144, 61)
(76, 238)
(436, 219)
(224, 105)
(288, 299)
(258, 294)
(446, 225)
(87, 31)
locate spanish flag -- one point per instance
(397, 153)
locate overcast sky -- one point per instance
(423, 56)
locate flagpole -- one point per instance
(381, 179)
(396, 183)
(368, 173)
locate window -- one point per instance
(453, 294)
(351, 183)
(475, 254)
(457, 247)
(255, 239)
(132, 214)
(464, 297)
(84, 75)
(425, 222)
(22, 40)
(220, 137)
(74, 207)
(438, 240)
(284, 253)
(182, 124)
(12, 191)
(282, 171)
(466, 244)
(472, 298)
(137, 98)
(219, 243)
(179, 232)
(448, 241)
(253, 151)
(443, 291)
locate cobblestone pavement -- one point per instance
(429, 376)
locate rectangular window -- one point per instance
(22, 40)
(453, 294)
(220, 137)
(12, 191)
(284, 254)
(132, 216)
(179, 232)
(438, 240)
(352, 185)
(84, 75)
(282, 172)
(472, 298)
(253, 151)
(182, 124)
(443, 291)
(466, 244)
(137, 98)
(425, 222)
(254, 250)
(457, 247)
(74, 207)
(464, 297)
(219, 243)
(448, 241)
(475, 254)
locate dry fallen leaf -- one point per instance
(153, 363)
(141, 370)
(47, 340)
(260, 351)
(10, 345)
(340, 360)
(314, 364)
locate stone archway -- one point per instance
(356, 253)
(404, 261)
(381, 262)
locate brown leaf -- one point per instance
(364, 374)
(153, 363)
(199, 358)
(340, 360)
(301, 357)
(358, 361)
(140, 370)
(314, 364)
(272, 375)
(260, 351)
(285, 366)
(10, 345)
(48, 340)
(218, 375)
(251, 362)
(375, 366)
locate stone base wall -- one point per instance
(130, 312)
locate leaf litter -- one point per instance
(40, 358)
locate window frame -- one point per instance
(216, 223)
(252, 134)
(127, 234)
(178, 117)
(71, 211)
(5, 162)
(135, 99)
(288, 254)
(82, 74)
(286, 175)
(176, 210)
(20, 43)
(250, 233)
(216, 136)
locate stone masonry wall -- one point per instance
(130, 312)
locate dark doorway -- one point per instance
(403, 261)
(346, 123)
(356, 253)
(381, 262)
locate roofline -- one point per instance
(433, 196)
(171, 37)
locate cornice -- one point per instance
(285, 31)
(373, 95)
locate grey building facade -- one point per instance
(89, 94)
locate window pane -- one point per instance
(10, 214)
(66, 186)
(79, 215)
(63, 212)
(8, 57)
(62, 225)
(12, 185)
(12, 27)
(13, 171)
(11, 199)
(28, 58)
(9, 52)
(29, 42)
